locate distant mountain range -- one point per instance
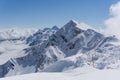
(75, 45)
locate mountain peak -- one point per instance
(73, 21)
(79, 25)
(55, 27)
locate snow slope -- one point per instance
(77, 74)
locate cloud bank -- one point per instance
(113, 23)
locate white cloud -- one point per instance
(113, 23)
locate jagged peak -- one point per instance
(79, 25)
(55, 27)
(73, 21)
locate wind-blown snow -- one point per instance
(80, 25)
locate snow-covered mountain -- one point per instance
(41, 35)
(14, 43)
(57, 50)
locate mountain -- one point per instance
(16, 47)
(78, 45)
(41, 35)
(75, 45)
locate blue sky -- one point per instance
(47, 13)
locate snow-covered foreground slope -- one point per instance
(78, 74)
